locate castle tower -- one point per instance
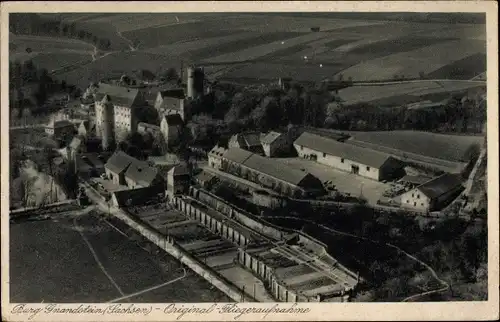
(195, 82)
(105, 121)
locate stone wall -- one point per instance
(169, 245)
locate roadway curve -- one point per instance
(445, 285)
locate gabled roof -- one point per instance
(173, 93)
(246, 140)
(265, 165)
(274, 169)
(118, 95)
(270, 137)
(237, 155)
(415, 179)
(342, 150)
(173, 119)
(440, 185)
(252, 139)
(141, 172)
(140, 196)
(179, 170)
(119, 162)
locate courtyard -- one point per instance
(344, 182)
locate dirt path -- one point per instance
(445, 285)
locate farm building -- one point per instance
(215, 157)
(266, 172)
(144, 128)
(117, 166)
(137, 197)
(139, 174)
(249, 141)
(116, 109)
(434, 194)
(414, 181)
(178, 179)
(275, 144)
(171, 127)
(60, 129)
(123, 169)
(171, 101)
(357, 160)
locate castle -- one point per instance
(116, 106)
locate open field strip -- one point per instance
(440, 146)
(263, 50)
(410, 64)
(272, 23)
(364, 94)
(134, 21)
(18, 46)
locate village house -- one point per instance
(140, 175)
(433, 194)
(247, 141)
(275, 144)
(171, 102)
(171, 128)
(60, 129)
(350, 158)
(178, 179)
(116, 167)
(215, 157)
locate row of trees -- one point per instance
(33, 24)
(31, 86)
(455, 115)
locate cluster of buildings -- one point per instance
(249, 156)
(117, 109)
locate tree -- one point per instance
(171, 74)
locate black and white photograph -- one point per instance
(235, 157)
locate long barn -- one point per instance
(357, 160)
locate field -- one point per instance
(51, 262)
(440, 146)
(410, 64)
(364, 49)
(383, 94)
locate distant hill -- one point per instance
(434, 17)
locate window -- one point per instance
(407, 201)
(422, 204)
(412, 195)
(342, 160)
(324, 155)
(418, 196)
(414, 204)
(367, 168)
(301, 147)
